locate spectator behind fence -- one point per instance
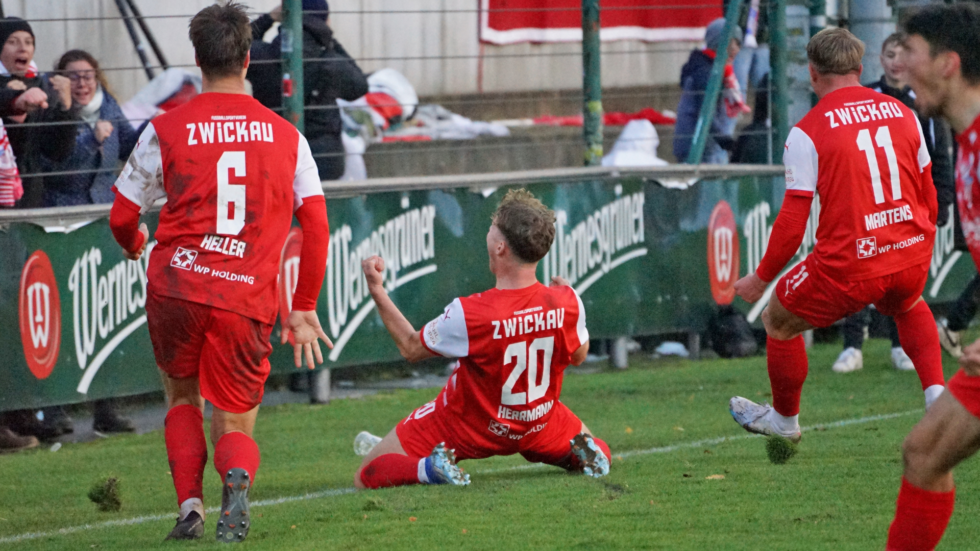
(329, 74)
(754, 141)
(694, 82)
(103, 138)
(55, 141)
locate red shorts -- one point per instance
(427, 426)
(966, 390)
(808, 292)
(228, 352)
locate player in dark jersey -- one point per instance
(234, 173)
(944, 71)
(513, 343)
(865, 155)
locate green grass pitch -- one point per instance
(684, 475)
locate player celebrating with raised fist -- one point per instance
(944, 70)
(234, 173)
(865, 155)
(513, 343)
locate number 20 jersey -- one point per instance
(513, 347)
(233, 172)
(865, 156)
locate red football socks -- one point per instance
(391, 469)
(920, 340)
(236, 450)
(187, 450)
(787, 365)
(920, 519)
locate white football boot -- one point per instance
(851, 359)
(593, 460)
(949, 339)
(364, 442)
(901, 360)
(762, 419)
(440, 468)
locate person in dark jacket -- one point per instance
(29, 141)
(694, 83)
(939, 144)
(329, 73)
(103, 138)
(754, 142)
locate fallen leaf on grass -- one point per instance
(293, 527)
(464, 530)
(412, 519)
(686, 475)
(681, 429)
(715, 477)
(629, 430)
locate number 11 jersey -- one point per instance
(233, 172)
(865, 156)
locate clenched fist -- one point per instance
(374, 268)
(62, 86)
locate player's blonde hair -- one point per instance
(835, 51)
(527, 225)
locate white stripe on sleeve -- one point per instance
(447, 334)
(141, 181)
(800, 159)
(306, 181)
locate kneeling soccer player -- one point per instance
(513, 343)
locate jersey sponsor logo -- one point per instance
(887, 217)
(862, 111)
(532, 430)
(183, 258)
(228, 129)
(525, 415)
(407, 245)
(289, 273)
(608, 237)
(500, 429)
(107, 306)
(527, 323)
(40, 315)
(224, 245)
(867, 247)
(723, 253)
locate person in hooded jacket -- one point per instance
(328, 73)
(694, 82)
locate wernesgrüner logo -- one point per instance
(407, 245)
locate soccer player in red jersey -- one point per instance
(513, 343)
(864, 154)
(234, 173)
(944, 70)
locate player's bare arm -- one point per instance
(408, 340)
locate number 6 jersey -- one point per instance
(864, 154)
(513, 347)
(233, 172)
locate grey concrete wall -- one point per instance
(371, 33)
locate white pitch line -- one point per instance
(344, 491)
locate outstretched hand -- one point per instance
(146, 239)
(305, 327)
(751, 288)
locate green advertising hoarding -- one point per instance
(646, 259)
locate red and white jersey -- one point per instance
(864, 154)
(513, 347)
(967, 191)
(233, 172)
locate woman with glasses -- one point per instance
(103, 138)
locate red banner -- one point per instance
(512, 21)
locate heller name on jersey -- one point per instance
(229, 129)
(863, 111)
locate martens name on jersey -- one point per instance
(887, 217)
(228, 129)
(529, 323)
(863, 111)
(526, 415)
(224, 245)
